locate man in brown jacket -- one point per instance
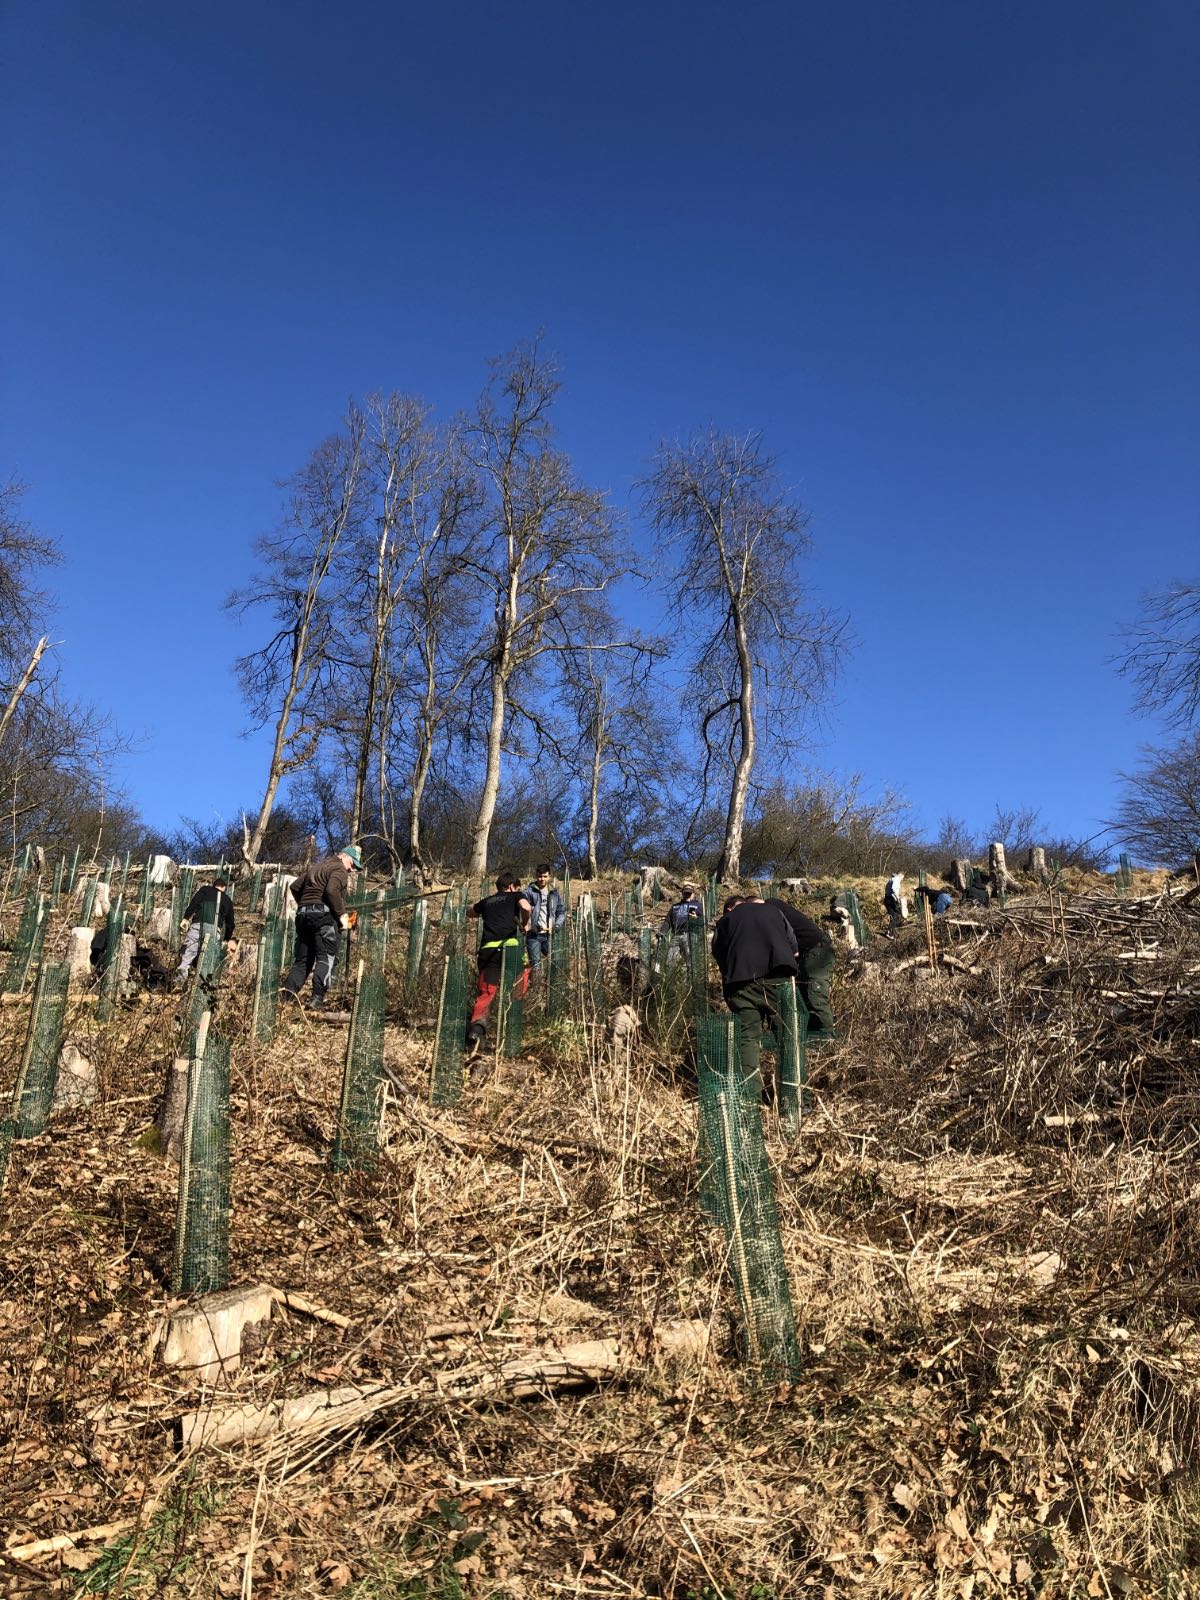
(320, 895)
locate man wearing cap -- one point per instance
(687, 912)
(320, 895)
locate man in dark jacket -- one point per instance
(505, 917)
(209, 907)
(814, 949)
(321, 917)
(755, 948)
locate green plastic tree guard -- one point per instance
(450, 1039)
(791, 1074)
(356, 1143)
(110, 972)
(201, 1258)
(416, 951)
(740, 1189)
(510, 1014)
(38, 1071)
(27, 942)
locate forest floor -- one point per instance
(990, 1221)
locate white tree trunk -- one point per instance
(491, 779)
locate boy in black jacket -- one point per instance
(505, 917)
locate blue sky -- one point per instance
(945, 256)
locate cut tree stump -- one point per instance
(207, 1337)
(1035, 864)
(79, 955)
(158, 924)
(960, 874)
(75, 1085)
(162, 870)
(172, 1108)
(998, 868)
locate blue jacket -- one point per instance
(555, 914)
(682, 913)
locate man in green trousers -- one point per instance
(755, 948)
(814, 948)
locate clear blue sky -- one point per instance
(946, 256)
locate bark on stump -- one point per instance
(998, 868)
(207, 1338)
(172, 1108)
(1036, 864)
(960, 874)
(75, 1086)
(79, 955)
(162, 870)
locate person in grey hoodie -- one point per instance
(547, 914)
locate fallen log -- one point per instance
(544, 1370)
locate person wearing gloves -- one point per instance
(321, 917)
(546, 914)
(210, 906)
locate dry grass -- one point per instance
(998, 1316)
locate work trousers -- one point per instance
(317, 938)
(191, 946)
(753, 1004)
(816, 968)
(488, 987)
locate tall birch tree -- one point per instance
(758, 652)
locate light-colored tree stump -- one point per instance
(76, 1085)
(998, 868)
(162, 870)
(1035, 866)
(79, 955)
(158, 924)
(207, 1338)
(648, 879)
(172, 1108)
(960, 874)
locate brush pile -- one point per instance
(990, 1221)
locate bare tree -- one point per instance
(763, 654)
(547, 553)
(1163, 659)
(625, 750)
(286, 681)
(23, 602)
(1158, 817)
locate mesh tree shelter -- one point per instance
(791, 1073)
(201, 1259)
(356, 1143)
(208, 975)
(450, 1040)
(38, 1071)
(267, 979)
(737, 1187)
(415, 954)
(558, 989)
(110, 973)
(27, 942)
(510, 1012)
